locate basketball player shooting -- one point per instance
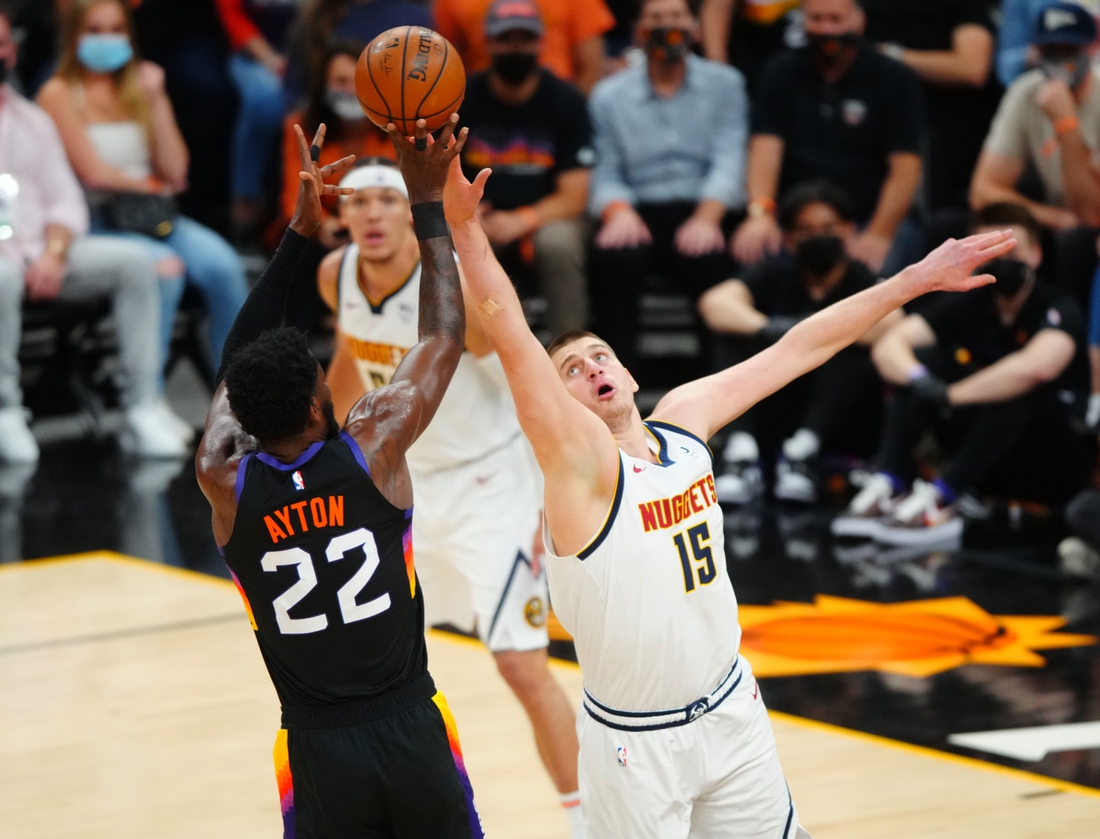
(314, 524)
(478, 492)
(674, 738)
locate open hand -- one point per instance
(311, 186)
(755, 239)
(950, 266)
(698, 236)
(462, 199)
(424, 161)
(624, 229)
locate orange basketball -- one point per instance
(409, 73)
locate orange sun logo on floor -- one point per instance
(918, 638)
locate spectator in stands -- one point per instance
(1080, 553)
(45, 254)
(1015, 52)
(332, 101)
(755, 311)
(573, 38)
(747, 33)
(258, 32)
(325, 22)
(999, 374)
(670, 150)
(121, 136)
(840, 110)
(1049, 121)
(532, 129)
(949, 45)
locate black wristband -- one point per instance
(429, 220)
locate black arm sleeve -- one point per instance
(266, 302)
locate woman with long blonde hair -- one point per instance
(120, 132)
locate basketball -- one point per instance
(410, 73)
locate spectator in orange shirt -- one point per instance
(573, 46)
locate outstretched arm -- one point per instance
(707, 404)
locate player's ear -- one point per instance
(634, 386)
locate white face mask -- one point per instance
(345, 105)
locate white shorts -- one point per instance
(716, 777)
(473, 530)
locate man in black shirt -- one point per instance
(835, 109)
(1000, 374)
(315, 524)
(759, 308)
(532, 130)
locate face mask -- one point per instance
(819, 255)
(1073, 70)
(514, 67)
(1011, 275)
(831, 49)
(104, 53)
(345, 105)
(667, 45)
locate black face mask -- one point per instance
(819, 255)
(1011, 275)
(514, 67)
(831, 49)
(668, 45)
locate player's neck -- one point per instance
(288, 451)
(380, 279)
(630, 435)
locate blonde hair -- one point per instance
(130, 94)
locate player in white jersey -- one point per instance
(675, 741)
(477, 490)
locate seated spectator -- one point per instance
(949, 45)
(532, 129)
(46, 255)
(670, 151)
(572, 46)
(332, 101)
(1015, 52)
(258, 32)
(121, 136)
(999, 374)
(1049, 122)
(836, 109)
(758, 309)
(1080, 553)
(325, 22)
(747, 33)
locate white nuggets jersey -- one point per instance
(649, 601)
(476, 416)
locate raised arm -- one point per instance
(707, 404)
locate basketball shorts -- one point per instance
(708, 770)
(388, 768)
(473, 530)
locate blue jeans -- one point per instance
(259, 121)
(211, 265)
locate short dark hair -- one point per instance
(270, 385)
(1007, 214)
(800, 196)
(568, 337)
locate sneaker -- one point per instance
(1079, 558)
(921, 518)
(177, 424)
(17, 444)
(740, 483)
(795, 480)
(146, 434)
(863, 518)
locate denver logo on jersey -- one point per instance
(667, 512)
(280, 523)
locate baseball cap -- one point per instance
(1064, 23)
(506, 15)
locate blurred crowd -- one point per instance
(761, 158)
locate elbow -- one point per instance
(879, 354)
(977, 74)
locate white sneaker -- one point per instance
(1079, 558)
(921, 518)
(178, 425)
(865, 512)
(740, 483)
(146, 434)
(17, 444)
(795, 481)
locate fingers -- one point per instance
(337, 167)
(482, 177)
(448, 130)
(421, 136)
(337, 190)
(319, 137)
(460, 143)
(303, 150)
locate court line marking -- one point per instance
(801, 722)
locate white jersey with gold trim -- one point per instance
(477, 415)
(649, 601)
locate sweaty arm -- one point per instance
(707, 404)
(1040, 361)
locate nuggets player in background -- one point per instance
(477, 490)
(314, 524)
(675, 740)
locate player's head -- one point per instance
(666, 29)
(593, 375)
(278, 391)
(377, 214)
(1016, 269)
(817, 222)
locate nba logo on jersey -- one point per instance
(299, 484)
(621, 753)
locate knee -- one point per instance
(525, 672)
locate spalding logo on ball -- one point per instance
(410, 73)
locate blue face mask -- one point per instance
(104, 53)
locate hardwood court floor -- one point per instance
(136, 705)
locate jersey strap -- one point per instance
(675, 429)
(355, 450)
(611, 513)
